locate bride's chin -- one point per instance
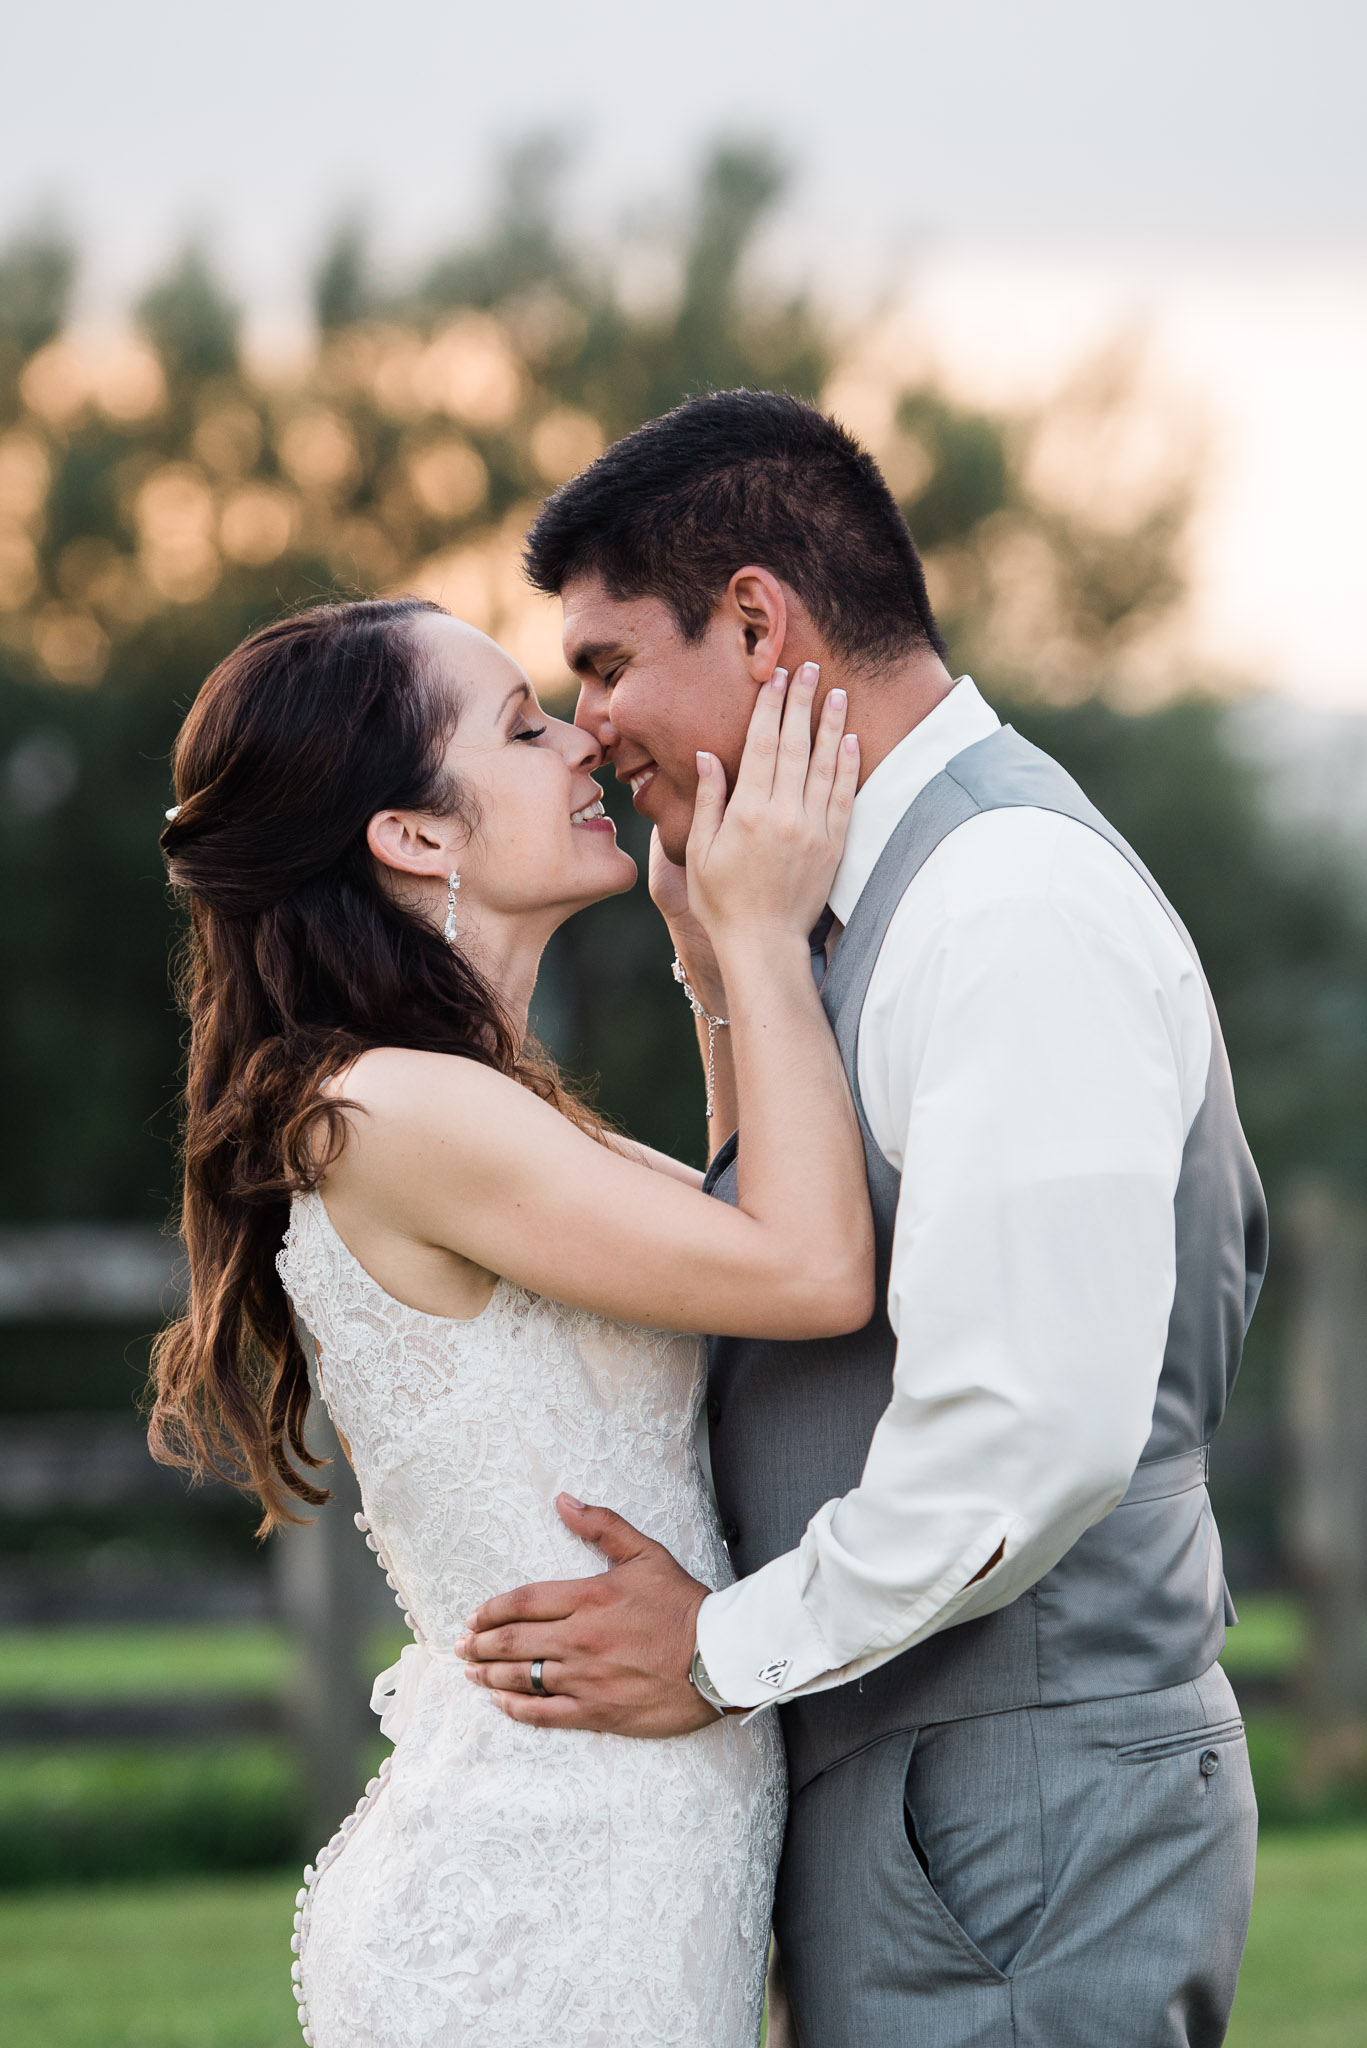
(613, 878)
(624, 879)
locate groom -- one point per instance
(979, 1575)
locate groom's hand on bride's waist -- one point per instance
(610, 1652)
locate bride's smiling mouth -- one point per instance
(592, 817)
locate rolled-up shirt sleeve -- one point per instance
(1033, 1052)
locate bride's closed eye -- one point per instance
(531, 732)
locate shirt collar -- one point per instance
(957, 721)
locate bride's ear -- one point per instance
(407, 842)
(759, 609)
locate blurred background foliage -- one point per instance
(160, 495)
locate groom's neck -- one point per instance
(889, 702)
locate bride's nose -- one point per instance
(580, 748)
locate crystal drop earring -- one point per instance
(451, 930)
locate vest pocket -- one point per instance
(1161, 1746)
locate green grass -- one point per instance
(1269, 1640)
(68, 1815)
(1304, 1982)
(100, 1811)
(134, 1663)
(191, 1965)
(206, 1964)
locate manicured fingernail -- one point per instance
(837, 697)
(779, 679)
(851, 743)
(704, 764)
(811, 670)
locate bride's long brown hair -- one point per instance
(297, 959)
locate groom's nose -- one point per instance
(592, 715)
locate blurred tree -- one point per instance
(727, 329)
(190, 319)
(342, 290)
(522, 248)
(37, 269)
(1054, 541)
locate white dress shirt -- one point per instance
(1033, 1050)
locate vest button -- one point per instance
(1210, 1762)
(732, 1532)
(714, 1409)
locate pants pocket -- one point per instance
(971, 1816)
(1160, 1746)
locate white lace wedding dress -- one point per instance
(500, 1885)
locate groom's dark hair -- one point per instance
(673, 510)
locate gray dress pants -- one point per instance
(1054, 1877)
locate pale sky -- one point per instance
(1031, 173)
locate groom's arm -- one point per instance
(1031, 1058)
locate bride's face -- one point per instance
(540, 840)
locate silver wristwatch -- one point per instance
(699, 1680)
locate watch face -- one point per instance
(698, 1673)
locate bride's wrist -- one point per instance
(699, 963)
(759, 954)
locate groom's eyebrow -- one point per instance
(592, 654)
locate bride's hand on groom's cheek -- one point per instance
(613, 1649)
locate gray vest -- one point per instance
(1139, 1602)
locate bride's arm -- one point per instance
(452, 1154)
(658, 1162)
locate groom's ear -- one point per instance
(757, 606)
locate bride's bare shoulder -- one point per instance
(399, 1078)
(394, 1095)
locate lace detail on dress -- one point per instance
(502, 1884)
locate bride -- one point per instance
(377, 831)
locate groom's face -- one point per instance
(651, 698)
